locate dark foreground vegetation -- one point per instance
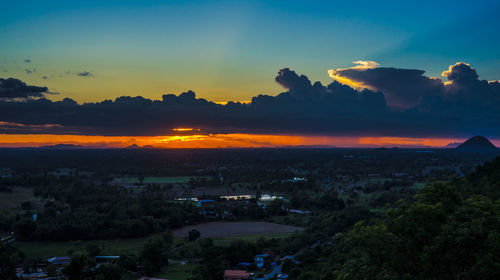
(447, 231)
(366, 214)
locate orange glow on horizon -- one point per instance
(182, 129)
(235, 140)
(225, 102)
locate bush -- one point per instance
(194, 234)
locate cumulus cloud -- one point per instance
(12, 88)
(365, 64)
(461, 72)
(402, 88)
(336, 74)
(398, 102)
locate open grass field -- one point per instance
(16, 197)
(232, 229)
(221, 241)
(177, 272)
(160, 180)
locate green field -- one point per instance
(250, 238)
(115, 247)
(177, 272)
(161, 180)
(45, 249)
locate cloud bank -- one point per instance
(12, 88)
(364, 100)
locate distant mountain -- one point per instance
(133, 146)
(148, 147)
(477, 144)
(309, 147)
(62, 146)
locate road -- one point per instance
(277, 268)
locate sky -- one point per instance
(91, 51)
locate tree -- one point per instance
(93, 250)
(25, 228)
(109, 272)
(154, 254)
(288, 265)
(74, 270)
(10, 258)
(193, 235)
(443, 234)
(27, 205)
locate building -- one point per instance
(37, 275)
(236, 275)
(204, 202)
(59, 260)
(8, 239)
(261, 259)
(302, 212)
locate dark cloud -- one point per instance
(84, 74)
(290, 80)
(402, 88)
(28, 71)
(12, 88)
(466, 96)
(462, 107)
(27, 60)
(461, 73)
(44, 77)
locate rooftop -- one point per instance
(236, 274)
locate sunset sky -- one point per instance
(392, 73)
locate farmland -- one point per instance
(232, 229)
(46, 249)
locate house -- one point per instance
(261, 259)
(59, 260)
(204, 202)
(8, 239)
(236, 275)
(243, 265)
(36, 275)
(302, 212)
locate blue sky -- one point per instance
(231, 50)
